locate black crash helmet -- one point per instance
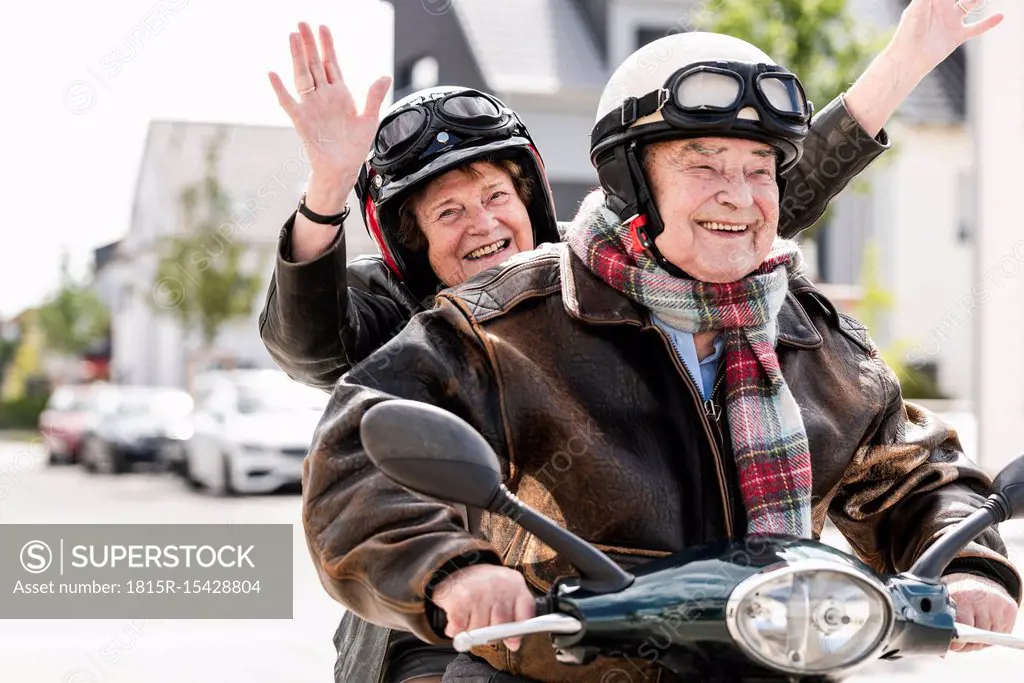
(429, 133)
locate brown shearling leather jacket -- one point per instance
(599, 426)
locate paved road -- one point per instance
(157, 651)
(228, 651)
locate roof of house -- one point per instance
(262, 169)
(103, 255)
(535, 46)
(548, 47)
(941, 97)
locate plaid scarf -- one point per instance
(769, 442)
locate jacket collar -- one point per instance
(589, 299)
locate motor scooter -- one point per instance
(767, 608)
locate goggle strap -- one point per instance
(629, 112)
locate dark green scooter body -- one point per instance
(674, 613)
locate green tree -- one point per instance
(818, 40)
(875, 302)
(201, 278)
(24, 387)
(8, 347)
(74, 318)
(26, 362)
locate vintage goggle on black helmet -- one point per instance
(691, 85)
(425, 135)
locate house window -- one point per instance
(649, 34)
(633, 24)
(966, 201)
(567, 196)
(420, 73)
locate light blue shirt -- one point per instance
(707, 369)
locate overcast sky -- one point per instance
(82, 80)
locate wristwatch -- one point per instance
(336, 219)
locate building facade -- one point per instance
(263, 170)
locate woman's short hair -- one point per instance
(409, 233)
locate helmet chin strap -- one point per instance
(647, 224)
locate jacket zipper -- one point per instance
(717, 410)
(711, 409)
(705, 422)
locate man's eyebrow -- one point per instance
(701, 148)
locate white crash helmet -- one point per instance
(691, 85)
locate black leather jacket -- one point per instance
(325, 315)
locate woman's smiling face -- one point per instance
(473, 218)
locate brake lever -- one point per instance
(542, 605)
(547, 623)
(971, 634)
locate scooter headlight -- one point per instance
(810, 617)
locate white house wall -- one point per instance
(564, 143)
(928, 266)
(128, 328)
(264, 169)
(996, 65)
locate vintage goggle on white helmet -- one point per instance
(702, 84)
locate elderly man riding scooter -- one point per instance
(690, 386)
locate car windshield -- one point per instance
(69, 400)
(279, 396)
(165, 404)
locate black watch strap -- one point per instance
(336, 219)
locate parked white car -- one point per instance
(251, 431)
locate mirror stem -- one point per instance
(598, 572)
(934, 561)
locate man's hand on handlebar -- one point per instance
(484, 595)
(982, 603)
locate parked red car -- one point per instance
(68, 414)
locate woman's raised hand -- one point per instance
(338, 136)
